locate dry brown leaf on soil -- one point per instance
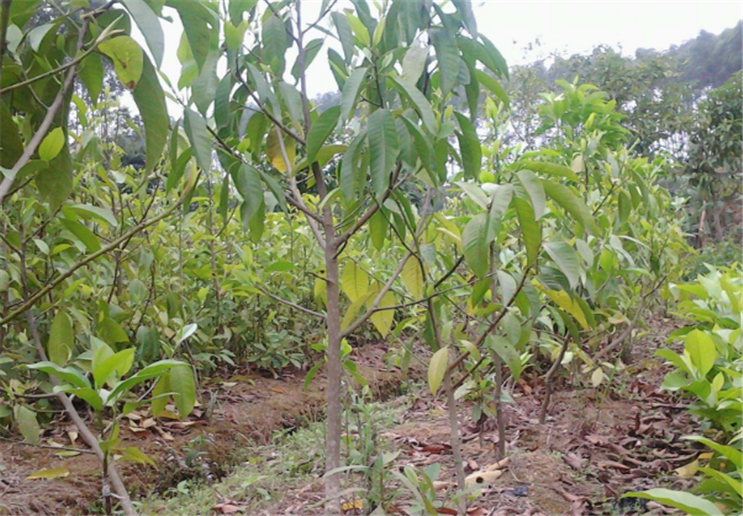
(227, 508)
(498, 465)
(606, 464)
(482, 478)
(476, 511)
(573, 460)
(441, 486)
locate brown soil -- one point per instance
(245, 408)
(593, 448)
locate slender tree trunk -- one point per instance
(548, 381)
(498, 364)
(451, 405)
(333, 391)
(456, 448)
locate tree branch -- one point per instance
(492, 325)
(293, 305)
(82, 263)
(48, 119)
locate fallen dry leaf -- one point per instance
(573, 460)
(605, 464)
(227, 508)
(482, 478)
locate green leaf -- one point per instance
(422, 106)
(37, 35)
(476, 237)
(293, 100)
(149, 372)
(531, 230)
(359, 29)
(249, 186)
(566, 259)
(702, 350)
(55, 183)
(414, 63)
(508, 354)
(185, 332)
(493, 85)
(412, 277)
(692, 505)
(159, 395)
(149, 25)
(90, 72)
(469, 146)
(127, 57)
(551, 169)
(320, 130)
(70, 375)
(111, 331)
(198, 135)
(119, 363)
(52, 144)
(437, 369)
(448, 58)
(90, 211)
(273, 37)
(11, 143)
(383, 149)
(150, 100)
(136, 455)
(350, 92)
(27, 423)
(345, 34)
(201, 28)
(204, 86)
(734, 454)
(61, 339)
(534, 188)
(464, 7)
(84, 393)
(563, 196)
(184, 389)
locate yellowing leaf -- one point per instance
(412, 276)
(437, 368)
(49, 473)
(564, 301)
(127, 58)
(354, 281)
(51, 144)
(597, 377)
(688, 470)
(276, 154)
(383, 320)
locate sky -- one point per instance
(567, 27)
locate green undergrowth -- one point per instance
(293, 458)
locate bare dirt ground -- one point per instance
(593, 448)
(235, 413)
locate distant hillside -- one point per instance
(710, 60)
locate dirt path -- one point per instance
(594, 448)
(234, 413)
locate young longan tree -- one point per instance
(400, 67)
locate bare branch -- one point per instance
(293, 305)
